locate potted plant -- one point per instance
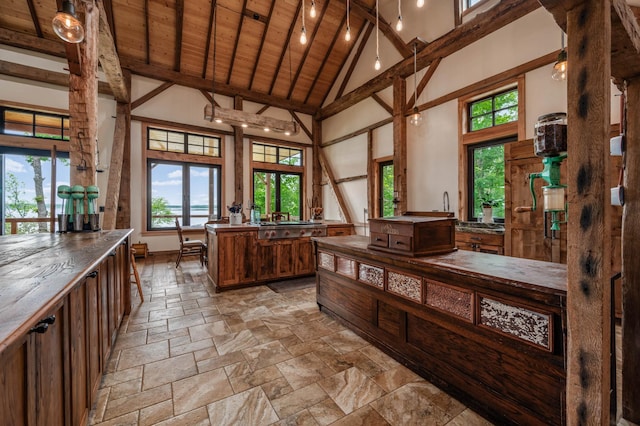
(235, 213)
(487, 208)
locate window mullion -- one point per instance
(186, 196)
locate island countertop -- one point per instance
(37, 270)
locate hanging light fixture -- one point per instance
(399, 23)
(303, 33)
(347, 34)
(560, 67)
(416, 116)
(377, 64)
(312, 12)
(420, 3)
(66, 25)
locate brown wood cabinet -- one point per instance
(51, 364)
(482, 242)
(412, 235)
(340, 229)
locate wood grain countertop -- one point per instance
(37, 270)
(542, 277)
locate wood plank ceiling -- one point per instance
(258, 52)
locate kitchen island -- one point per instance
(489, 330)
(62, 299)
(251, 254)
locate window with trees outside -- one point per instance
(385, 186)
(183, 180)
(277, 180)
(493, 110)
(29, 177)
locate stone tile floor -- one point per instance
(189, 356)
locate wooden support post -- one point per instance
(336, 189)
(238, 149)
(589, 223)
(371, 172)
(115, 167)
(123, 211)
(630, 264)
(316, 168)
(83, 103)
(400, 143)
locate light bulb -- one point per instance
(266, 129)
(420, 3)
(416, 118)
(347, 34)
(377, 64)
(560, 67)
(303, 36)
(399, 24)
(245, 125)
(217, 120)
(312, 12)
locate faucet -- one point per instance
(445, 201)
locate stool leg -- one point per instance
(137, 277)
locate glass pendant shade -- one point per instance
(399, 24)
(303, 36)
(416, 117)
(560, 67)
(420, 3)
(312, 12)
(347, 34)
(377, 65)
(66, 25)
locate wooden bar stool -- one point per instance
(134, 273)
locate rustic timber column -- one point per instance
(630, 265)
(589, 227)
(316, 168)
(238, 150)
(83, 103)
(400, 143)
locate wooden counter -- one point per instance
(489, 330)
(62, 299)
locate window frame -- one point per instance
(493, 112)
(34, 115)
(169, 156)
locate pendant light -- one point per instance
(66, 25)
(420, 3)
(416, 116)
(303, 33)
(560, 67)
(347, 34)
(399, 23)
(312, 12)
(377, 64)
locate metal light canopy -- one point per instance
(66, 25)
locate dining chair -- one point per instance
(134, 273)
(189, 247)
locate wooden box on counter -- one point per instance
(413, 235)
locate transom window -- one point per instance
(493, 110)
(277, 154)
(35, 124)
(466, 4)
(183, 142)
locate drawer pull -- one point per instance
(378, 239)
(476, 238)
(92, 274)
(43, 325)
(398, 242)
(49, 320)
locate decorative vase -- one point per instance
(235, 218)
(487, 215)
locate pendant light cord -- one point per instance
(213, 80)
(415, 75)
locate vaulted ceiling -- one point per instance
(257, 49)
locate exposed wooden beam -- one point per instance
(155, 92)
(423, 82)
(109, 59)
(179, 24)
(485, 23)
(355, 60)
(265, 20)
(358, 132)
(115, 167)
(589, 223)
(263, 109)
(334, 186)
(34, 18)
(235, 45)
(147, 35)
(382, 103)
(316, 167)
(362, 10)
(238, 155)
(44, 76)
(123, 214)
(208, 96)
(72, 52)
(26, 41)
(108, 7)
(301, 124)
(164, 74)
(256, 16)
(285, 47)
(208, 47)
(351, 179)
(400, 144)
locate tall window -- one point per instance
(385, 185)
(278, 180)
(183, 180)
(493, 110)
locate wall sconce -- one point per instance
(66, 25)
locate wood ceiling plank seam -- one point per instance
(34, 18)
(179, 26)
(336, 36)
(285, 47)
(385, 27)
(147, 33)
(316, 27)
(31, 42)
(369, 29)
(235, 45)
(207, 49)
(264, 37)
(423, 82)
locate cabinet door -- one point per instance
(103, 316)
(50, 371)
(16, 384)
(94, 356)
(287, 260)
(78, 354)
(304, 256)
(237, 255)
(266, 259)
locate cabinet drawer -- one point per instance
(478, 238)
(400, 242)
(379, 239)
